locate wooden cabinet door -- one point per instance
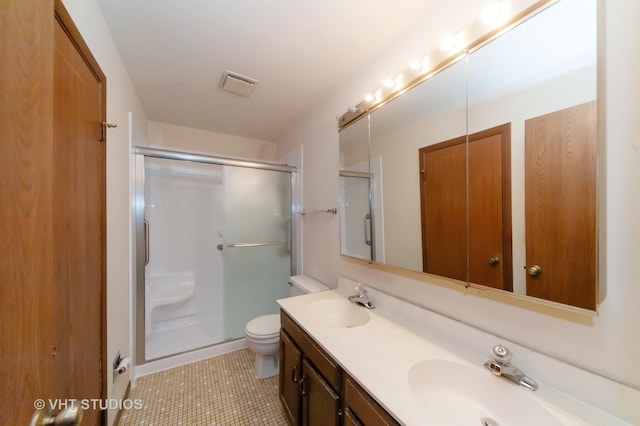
(290, 374)
(361, 408)
(560, 205)
(320, 404)
(350, 419)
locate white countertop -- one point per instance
(380, 353)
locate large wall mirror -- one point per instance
(486, 172)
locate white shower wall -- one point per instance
(185, 210)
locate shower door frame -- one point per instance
(140, 236)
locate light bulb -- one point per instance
(448, 42)
(415, 65)
(492, 13)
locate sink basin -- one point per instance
(339, 313)
(453, 393)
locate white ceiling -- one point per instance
(299, 50)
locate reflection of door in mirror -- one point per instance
(444, 217)
(560, 196)
(443, 205)
(490, 208)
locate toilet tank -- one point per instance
(302, 284)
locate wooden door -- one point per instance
(78, 220)
(490, 208)
(290, 373)
(52, 259)
(443, 202)
(320, 404)
(26, 235)
(560, 205)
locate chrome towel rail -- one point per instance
(332, 211)
(240, 245)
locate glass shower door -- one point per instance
(256, 248)
(355, 215)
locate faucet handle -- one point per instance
(501, 354)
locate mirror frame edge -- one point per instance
(533, 304)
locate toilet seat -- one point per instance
(266, 327)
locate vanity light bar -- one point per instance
(465, 42)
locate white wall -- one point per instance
(607, 344)
(121, 99)
(180, 138)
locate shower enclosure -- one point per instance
(361, 210)
(213, 244)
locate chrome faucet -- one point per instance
(500, 365)
(361, 297)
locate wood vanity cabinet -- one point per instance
(313, 388)
(361, 409)
(310, 380)
(290, 369)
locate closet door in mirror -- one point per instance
(414, 228)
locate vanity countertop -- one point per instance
(380, 353)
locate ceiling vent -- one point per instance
(237, 83)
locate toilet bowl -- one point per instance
(263, 341)
(263, 333)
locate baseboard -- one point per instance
(126, 396)
(188, 357)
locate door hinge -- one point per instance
(103, 129)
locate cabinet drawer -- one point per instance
(365, 409)
(323, 363)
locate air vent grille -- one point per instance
(237, 83)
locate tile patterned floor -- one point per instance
(220, 391)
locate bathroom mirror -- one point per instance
(515, 121)
(356, 226)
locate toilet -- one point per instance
(263, 333)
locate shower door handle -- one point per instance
(240, 245)
(146, 242)
(367, 220)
